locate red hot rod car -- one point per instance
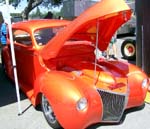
(58, 69)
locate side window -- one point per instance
(22, 37)
(42, 36)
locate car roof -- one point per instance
(32, 25)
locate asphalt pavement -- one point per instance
(137, 118)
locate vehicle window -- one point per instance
(22, 37)
(43, 35)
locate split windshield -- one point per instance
(43, 35)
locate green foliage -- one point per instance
(10, 1)
(47, 3)
(57, 2)
(33, 4)
(37, 14)
(44, 3)
(38, 11)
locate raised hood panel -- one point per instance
(105, 16)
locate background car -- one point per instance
(57, 67)
(16, 19)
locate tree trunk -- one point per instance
(31, 5)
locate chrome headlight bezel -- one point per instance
(149, 87)
(82, 104)
(144, 83)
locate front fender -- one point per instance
(63, 90)
(137, 92)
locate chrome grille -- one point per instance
(113, 105)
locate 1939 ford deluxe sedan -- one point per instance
(57, 67)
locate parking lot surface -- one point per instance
(137, 118)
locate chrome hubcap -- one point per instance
(48, 110)
(129, 50)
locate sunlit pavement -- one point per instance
(138, 118)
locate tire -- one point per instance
(49, 114)
(128, 49)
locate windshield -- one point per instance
(43, 35)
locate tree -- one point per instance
(33, 4)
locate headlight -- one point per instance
(144, 83)
(82, 104)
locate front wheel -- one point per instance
(128, 49)
(49, 114)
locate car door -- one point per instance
(25, 55)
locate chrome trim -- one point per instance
(114, 105)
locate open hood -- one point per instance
(97, 24)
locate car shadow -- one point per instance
(126, 112)
(8, 90)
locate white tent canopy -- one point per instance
(3, 8)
